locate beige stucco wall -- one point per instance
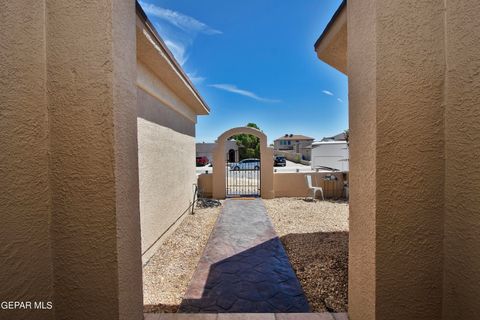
(93, 151)
(205, 184)
(69, 193)
(26, 268)
(166, 160)
(69, 197)
(461, 285)
(332, 49)
(410, 77)
(362, 176)
(167, 109)
(396, 73)
(290, 184)
(413, 123)
(295, 185)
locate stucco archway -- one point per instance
(219, 157)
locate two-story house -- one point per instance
(295, 143)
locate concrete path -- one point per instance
(244, 267)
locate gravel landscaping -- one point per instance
(315, 236)
(168, 273)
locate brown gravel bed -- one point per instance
(315, 236)
(168, 273)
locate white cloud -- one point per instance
(180, 20)
(178, 31)
(339, 100)
(196, 79)
(232, 88)
(178, 50)
(328, 93)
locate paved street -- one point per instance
(293, 167)
(290, 167)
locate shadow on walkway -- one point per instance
(259, 279)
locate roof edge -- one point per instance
(329, 24)
(170, 56)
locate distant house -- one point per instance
(206, 149)
(338, 137)
(294, 143)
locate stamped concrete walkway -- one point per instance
(244, 267)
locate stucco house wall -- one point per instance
(414, 127)
(166, 118)
(166, 165)
(70, 231)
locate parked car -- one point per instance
(246, 164)
(202, 161)
(279, 161)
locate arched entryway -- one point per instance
(220, 168)
(231, 155)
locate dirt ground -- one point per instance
(168, 273)
(315, 236)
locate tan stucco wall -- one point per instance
(205, 184)
(410, 64)
(414, 175)
(166, 161)
(295, 185)
(462, 154)
(362, 176)
(69, 165)
(396, 69)
(69, 160)
(167, 113)
(290, 184)
(26, 268)
(94, 178)
(333, 47)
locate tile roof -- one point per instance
(294, 137)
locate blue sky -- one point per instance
(253, 61)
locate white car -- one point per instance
(246, 164)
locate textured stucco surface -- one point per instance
(94, 181)
(414, 91)
(26, 267)
(462, 152)
(69, 160)
(410, 73)
(167, 111)
(167, 173)
(362, 178)
(166, 147)
(266, 166)
(333, 47)
(151, 108)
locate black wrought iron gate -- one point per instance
(243, 177)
